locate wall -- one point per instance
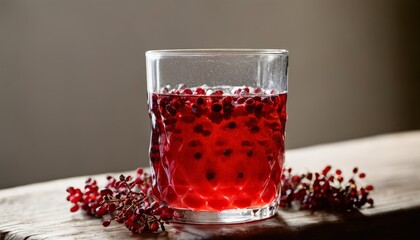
(72, 73)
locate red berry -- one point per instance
(326, 170)
(200, 91)
(165, 90)
(154, 226)
(200, 101)
(241, 100)
(106, 223)
(118, 199)
(295, 179)
(319, 194)
(237, 91)
(217, 107)
(217, 93)
(186, 91)
(74, 208)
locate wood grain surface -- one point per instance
(392, 164)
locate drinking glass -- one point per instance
(217, 131)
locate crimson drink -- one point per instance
(218, 148)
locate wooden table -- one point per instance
(392, 164)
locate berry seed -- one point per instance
(210, 175)
(216, 107)
(200, 101)
(227, 152)
(197, 155)
(249, 153)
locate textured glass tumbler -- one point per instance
(217, 139)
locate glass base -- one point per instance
(227, 216)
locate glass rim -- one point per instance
(215, 52)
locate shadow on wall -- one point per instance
(73, 87)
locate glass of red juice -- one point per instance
(217, 131)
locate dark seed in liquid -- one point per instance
(197, 155)
(210, 175)
(232, 125)
(217, 107)
(200, 100)
(249, 153)
(227, 152)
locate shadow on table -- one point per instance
(252, 230)
(401, 224)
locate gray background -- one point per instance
(73, 87)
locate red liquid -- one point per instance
(211, 153)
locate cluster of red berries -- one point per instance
(182, 89)
(127, 200)
(323, 191)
